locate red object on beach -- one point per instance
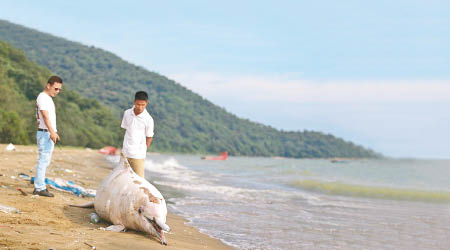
(221, 157)
(108, 150)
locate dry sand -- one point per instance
(49, 223)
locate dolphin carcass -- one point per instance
(130, 201)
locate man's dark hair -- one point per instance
(54, 79)
(141, 95)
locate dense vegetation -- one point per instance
(184, 121)
(80, 121)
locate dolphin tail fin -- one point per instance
(126, 163)
(87, 205)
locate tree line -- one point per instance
(184, 121)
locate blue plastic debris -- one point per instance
(68, 186)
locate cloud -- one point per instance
(289, 88)
(396, 118)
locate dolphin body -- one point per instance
(130, 201)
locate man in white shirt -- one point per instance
(47, 135)
(139, 132)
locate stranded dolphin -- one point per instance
(129, 201)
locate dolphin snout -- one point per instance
(163, 239)
(162, 225)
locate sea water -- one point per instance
(277, 203)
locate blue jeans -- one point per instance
(45, 146)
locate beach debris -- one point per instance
(68, 186)
(94, 218)
(91, 246)
(22, 192)
(13, 177)
(10, 147)
(8, 209)
(24, 176)
(68, 170)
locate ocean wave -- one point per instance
(391, 193)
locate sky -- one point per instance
(376, 73)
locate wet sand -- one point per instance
(49, 223)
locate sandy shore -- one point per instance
(49, 223)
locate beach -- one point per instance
(50, 223)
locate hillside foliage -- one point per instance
(80, 121)
(184, 121)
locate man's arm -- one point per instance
(53, 135)
(124, 123)
(149, 141)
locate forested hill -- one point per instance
(184, 121)
(80, 121)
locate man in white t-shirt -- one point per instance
(47, 135)
(139, 132)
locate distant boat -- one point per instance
(338, 160)
(107, 150)
(221, 157)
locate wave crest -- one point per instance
(391, 193)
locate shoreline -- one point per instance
(45, 223)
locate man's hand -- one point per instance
(54, 137)
(148, 141)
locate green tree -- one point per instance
(11, 128)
